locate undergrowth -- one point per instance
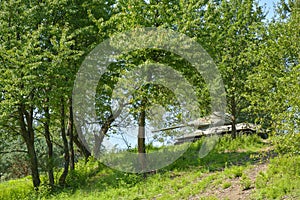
(188, 176)
(281, 180)
(16, 189)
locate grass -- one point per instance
(226, 185)
(245, 182)
(281, 180)
(189, 176)
(16, 189)
(234, 171)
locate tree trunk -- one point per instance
(233, 113)
(33, 164)
(71, 135)
(62, 178)
(83, 150)
(27, 133)
(98, 141)
(104, 129)
(49, 144)
(141, 140)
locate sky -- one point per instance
(269, 6)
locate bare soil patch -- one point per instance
(235, 190)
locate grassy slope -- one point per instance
(226, 172)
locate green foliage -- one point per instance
(234, 172)
(16, 189)
(233, 29)
(40, 52)
(281, 180)
(241, 142)
(83, 170)
(226, 185)
(274, 85)
(287, 144)
(245, 182)
(42, 45)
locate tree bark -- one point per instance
(27, 133)
(233, 113)
(104, 129)
(62, 178)
(83, 150)
(141, 139)
(49, 144)
(71, 135)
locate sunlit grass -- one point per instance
(16, 189)
(281, 180)
(189, 176)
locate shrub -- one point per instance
(287, 143)
(82, 172)
(234, 172)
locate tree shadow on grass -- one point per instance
(104, 177)
(217, 161)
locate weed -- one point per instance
(234, 172)
(16, 189)
(281, 179)
(226, 185)
(245, 182)
(189, 176)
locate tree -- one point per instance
(273, 99)
(37, 48)
(133, 14)
(232, 29)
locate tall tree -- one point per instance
(176, 15)
(275, 84)
(34, 51)
(18, 42)
(232, 29)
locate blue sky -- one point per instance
(269, 6)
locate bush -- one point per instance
(287, 143)
(82, 172)
(234, 171)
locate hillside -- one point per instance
(245, 168)
(86, 79)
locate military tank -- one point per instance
(215, 124)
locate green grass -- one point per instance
(281, 180)
(234, 171)
(226, 185)
(189, 176)
(16, 189)
(245, 182)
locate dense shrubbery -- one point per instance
(287, 144)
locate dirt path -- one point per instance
(236, 189)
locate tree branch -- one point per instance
(14, 151)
